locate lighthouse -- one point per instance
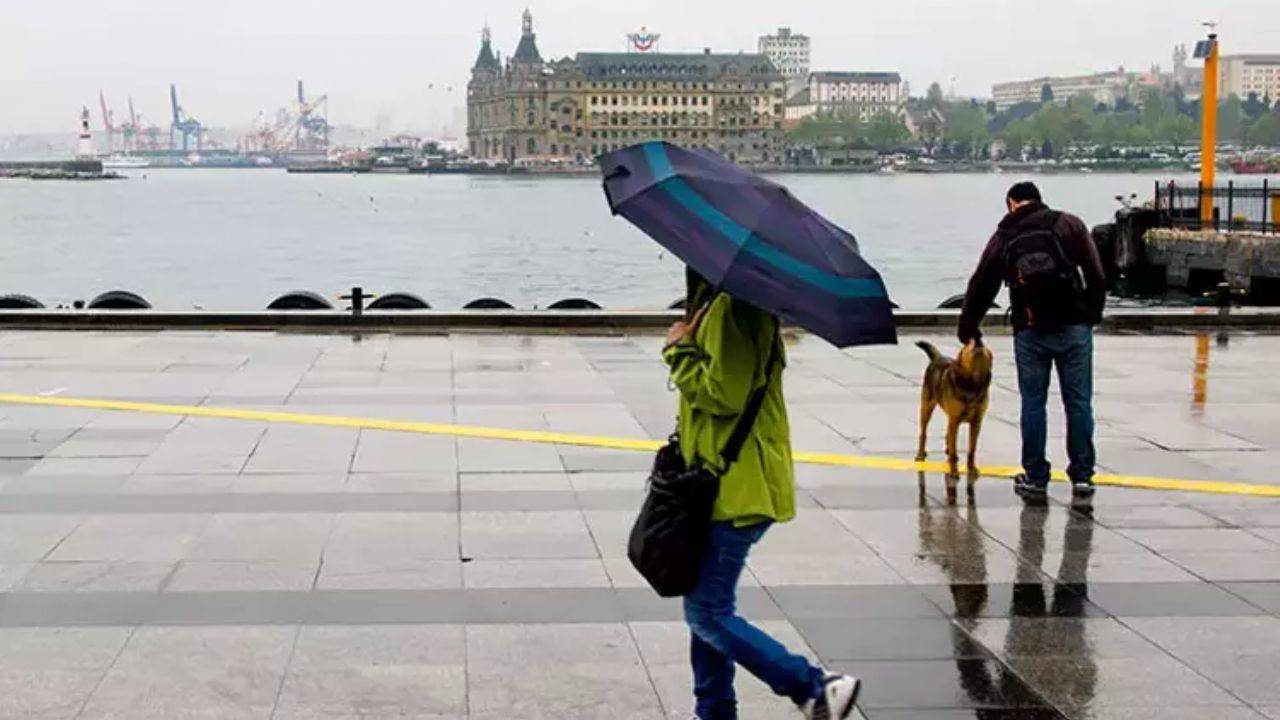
(84, 151)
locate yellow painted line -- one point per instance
(875, 462)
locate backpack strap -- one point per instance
(747, 420)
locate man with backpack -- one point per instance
(1057, 288)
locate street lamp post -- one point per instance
(1208, 51)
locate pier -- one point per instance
(263, 524)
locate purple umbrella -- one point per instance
(751, 238)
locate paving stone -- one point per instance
(1073, 637)
(1230, 566)
(394, 671)
(154, 538)
(240, 575)
(350, 572)
(49, 672)
(393, 536)
(950, 605)
(1199, 539)
(938, 684)
(1090, 687)
(259, 537)
(122, 576)
(167, 672)
(484, 573)
(1240, 654)
(1265, 595)
(586, 671)
(526, 535)
(28, 538)
(1013, 600)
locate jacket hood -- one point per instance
(1022, 213)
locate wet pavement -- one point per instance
(157, 566)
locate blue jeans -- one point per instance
(1037, 352)
(719, 637)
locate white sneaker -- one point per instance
(839, 695)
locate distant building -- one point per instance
(790, 54)
(1244, 74)
(577, 108)
(1106, 87)
(865, 94)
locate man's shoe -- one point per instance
(1082, 488)
(839, 695)
(1029, 490)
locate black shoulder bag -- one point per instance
(668, 537)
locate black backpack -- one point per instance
(1042, 280)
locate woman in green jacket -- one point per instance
(718, 357)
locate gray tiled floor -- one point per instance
(168, 567)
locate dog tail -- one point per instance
(929, 350)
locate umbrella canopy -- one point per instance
(751, 238)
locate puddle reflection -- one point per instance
(1200, 374)
(1046, 651)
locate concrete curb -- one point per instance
(1154, 320)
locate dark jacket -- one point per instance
(1077, 245)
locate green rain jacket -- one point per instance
(716, 372)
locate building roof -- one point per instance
(485, 59)
(1254, 57)
(675, 66)
(527, 50)
(845, 76)
(800, 99)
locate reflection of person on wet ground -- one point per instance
(956, 544)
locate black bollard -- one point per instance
(357, 298)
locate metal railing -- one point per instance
(1251, 208)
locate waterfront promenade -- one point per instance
(164, 564)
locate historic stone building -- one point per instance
(575, 109)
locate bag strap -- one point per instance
(747, 420)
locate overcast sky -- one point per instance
(399, 58)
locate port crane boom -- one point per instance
(184, 124)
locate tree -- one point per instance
(1016, 135)
(1265, 131)
(1177, 130)
(933, 98)
(828, 128)
(1254, 106)
(991, 107)
(1046, 94)
(1231, 119)
(1084, 99)
(886, 132)
(967, 129)
(1153, 108)
(1139, 135)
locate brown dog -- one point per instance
(961, 388)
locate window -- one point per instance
(532, 146)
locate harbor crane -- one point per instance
(303, 127)
(183, 124)
(312, 130)
(106, 123)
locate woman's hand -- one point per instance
(681, 331)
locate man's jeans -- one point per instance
(1070, 349)
(720, 638)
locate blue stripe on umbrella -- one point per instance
(748, 241)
